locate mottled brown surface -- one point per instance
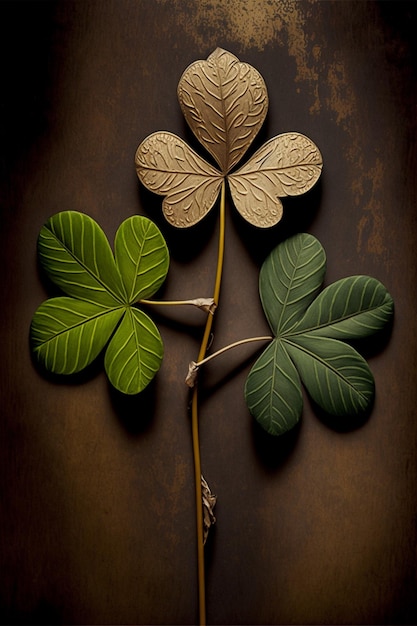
(97, 509)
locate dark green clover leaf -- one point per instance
(310, 335)
(69, 332)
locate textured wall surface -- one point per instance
(96, 492)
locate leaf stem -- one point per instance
(233, 345)
(194, 367)
(194, 417)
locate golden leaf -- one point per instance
(225, 103)
(287, 165)
(168, 166)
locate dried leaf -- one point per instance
(287, 165)
(209, 502)
(168, 166)
(225, 103)
(206, 304)
(191, 374)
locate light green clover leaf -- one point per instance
(68, 332)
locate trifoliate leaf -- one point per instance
(225, 103)
(69, 332)
(309, 330)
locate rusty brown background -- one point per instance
(97, 496)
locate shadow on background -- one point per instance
(136, 412)
(273, 451)
(344, 423)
